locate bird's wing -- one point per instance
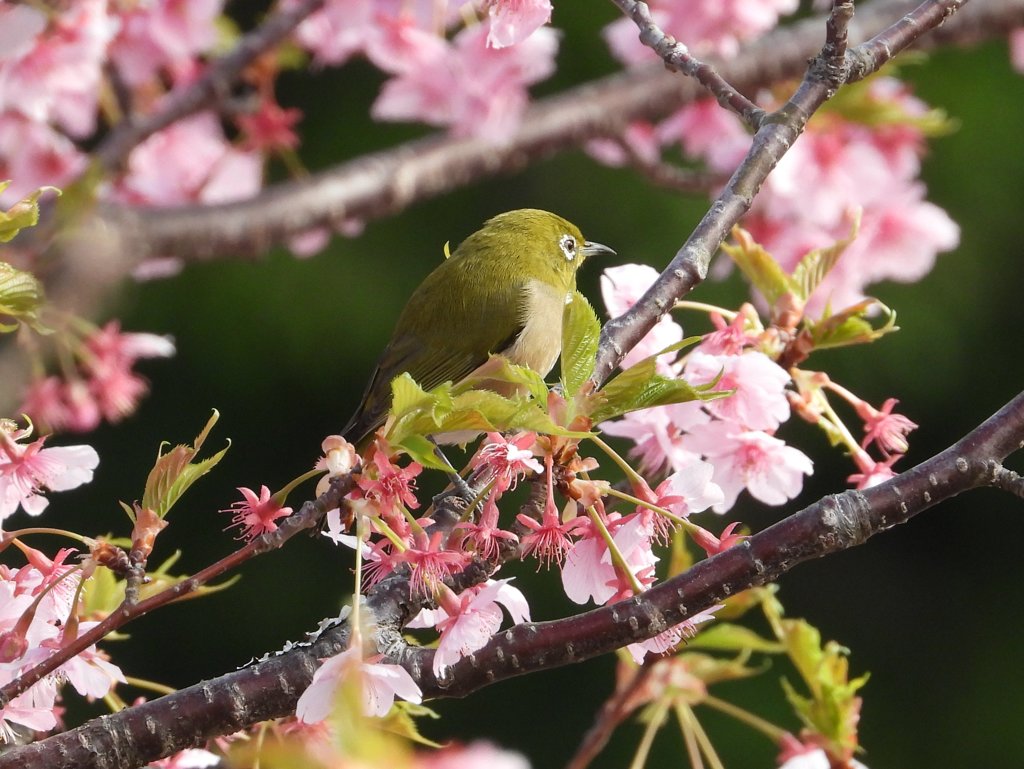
(407, 354)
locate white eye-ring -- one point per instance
(568, 245)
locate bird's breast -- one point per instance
(540, 341)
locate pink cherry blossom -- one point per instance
(431, 563)
(758, 383)
(872, 472)
(190, 758)
(379, 684)
(468, 621)
(885, 428)
(474, 89)
(19, 27)
(550, 538)
(163, 35)
(690, 490)
(256, 514)
(389, 485)
(27, 469)
(814, 758)
(855, 169)
(33, 155)
(270, 128)
(621, 287)
(476, 755)
(505, 460)
(639, 139)
(750, 459)
(484, 536)
(667, 640)
(512, 21)
(189, 161)
(659, 434)
(705, 130)
(1017, 49)
(108, 356)
(588, 572)
(89, 672)
(57, 80)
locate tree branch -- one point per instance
(271, 688)
(386, 182)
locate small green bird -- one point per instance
(503, 291)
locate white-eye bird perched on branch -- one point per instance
(503, 292)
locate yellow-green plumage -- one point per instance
(502, 291)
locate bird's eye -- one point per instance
(568, 245)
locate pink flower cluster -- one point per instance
(861, 170)
(735, 435)
(102, 386)
(37, 617)
(53, 71)
(474, 81)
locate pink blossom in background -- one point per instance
(476, 755)
(705, 130)
(33, 155)
(1017, 49)
(706, 26)
(163, 35)
(189, 161)
(749, 459)
(473, 89)
(513, 21)
(638, 139)
(856, 170)
(58, 78)
(344, 28)
(19, 27)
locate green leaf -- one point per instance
(764, 273)
(580, 333)
(641, 387)
(725, 636)
(24, 213)
(21, 297)
(851, 326)
(500, 369)
(174, 471)
(815, 265)
(422, 450)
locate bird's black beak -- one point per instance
(596, 249)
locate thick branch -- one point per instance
(270, 689)
(391, 180)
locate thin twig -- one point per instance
(678, 57)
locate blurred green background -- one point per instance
(282, 348)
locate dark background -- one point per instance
(282, 348)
